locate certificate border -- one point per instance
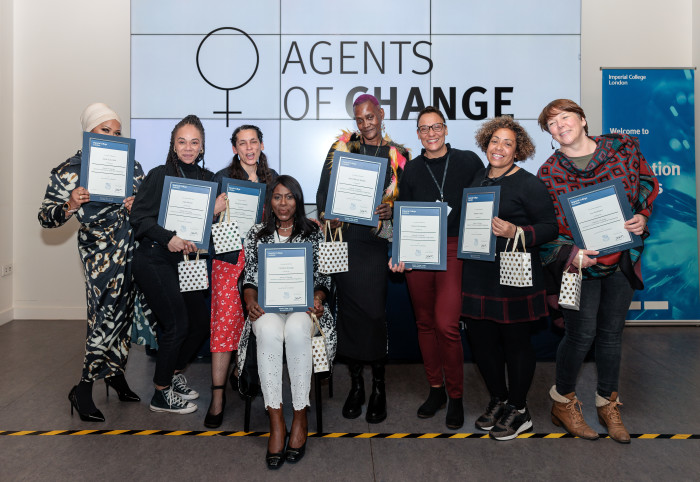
(464, 254)
(167, 183)
(441, 265)
(308, 254)
(616, 184)
(383, 163)
(262, 190)
(85, 166)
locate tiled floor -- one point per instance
(41, 360)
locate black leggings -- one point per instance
(497, 345)
(182, 317)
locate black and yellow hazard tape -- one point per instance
(224, 433)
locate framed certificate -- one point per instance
(596, 217)
(107, 167)
(187, 207)
(479, 207)
(356, 187)
(245, 201)
(285, 277)
(420, 235)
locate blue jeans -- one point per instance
(601, 319)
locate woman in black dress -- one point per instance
(362, 331)
(500, 318)
(106, 244)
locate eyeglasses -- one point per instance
(437, 128)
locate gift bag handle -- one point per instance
(334, 236)
(187, 258)
(226, 214)
(318, 325)
(519, 233)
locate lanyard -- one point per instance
(196, 173)
(440, 187)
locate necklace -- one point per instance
(490, 181)
(284, 229)
(376, 153)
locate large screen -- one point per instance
(294, 67)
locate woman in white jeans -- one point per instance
(284, 223)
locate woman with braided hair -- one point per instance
(183, 317)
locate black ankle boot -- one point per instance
(353, 404)
(376, 408)
(455, 414)
(436, 400)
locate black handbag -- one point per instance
(248, 379)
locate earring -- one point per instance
(552, 143)
(383, 128)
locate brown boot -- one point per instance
(566, 412)
(609, 416)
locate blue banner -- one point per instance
(657, 107)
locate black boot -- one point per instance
(376, 408)
(436, 400)
(356, 397)
(455, 414)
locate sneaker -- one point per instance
(179, 385)
(511, 424)
(168, 400)
(489, 418)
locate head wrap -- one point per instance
(95, 114)
(365, 98)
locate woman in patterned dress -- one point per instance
(106, 245)
(285, 222)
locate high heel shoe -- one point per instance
(211, 420)
(95, 416)
(119, 385)
(275, 460)
(295, 455)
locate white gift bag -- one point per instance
(570, 291)
(318, 348)
(226, 235)
(333, 255)
(516, 266)
(193, 275)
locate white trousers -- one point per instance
(273, 331)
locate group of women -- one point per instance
(127, 255)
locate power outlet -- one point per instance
(6, 270)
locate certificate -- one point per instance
(245, 201)
(596, 216)
(187, 207)
(285, 277)
(476, 238)
(355, 189)
(420, 235)
(107, 167)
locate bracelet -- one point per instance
(67, 209)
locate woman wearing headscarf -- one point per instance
(106, 246)
(608, 281)
(361, 291)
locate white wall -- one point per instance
(6, 192)
(64, 55)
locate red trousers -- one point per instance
(437, 303)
